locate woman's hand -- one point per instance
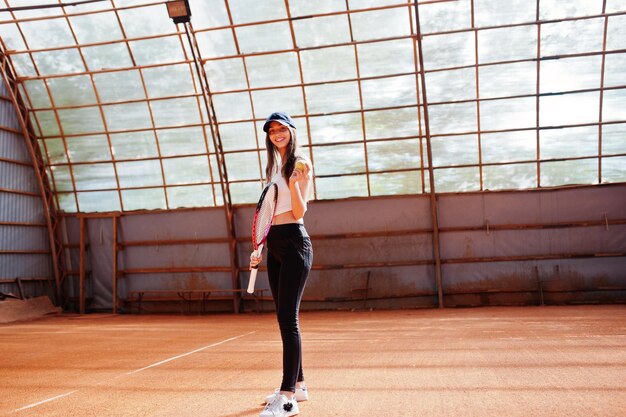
(299, 174)
(255, 260)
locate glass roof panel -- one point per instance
(380, 24)
(175, 112)
(569, 109)
(333, 97)
(616, 33)
(395, 183)
(47, 33)
(37, 94)
(508, 146)
(264, 38)
(190, 196)
(57, 62)
(157, 51)
(308, 7)
(99, 201)
(72, 91)
(89, 177)
(558, 9)
(144, 199)
(107, 57)
(226, 74)
(186, 170)
(445, 16)
(146, 21)
(24, 65)
(245, 192)
(570, 74)
(448, 51)
(216, 43)
(120, 117)
(10, 34)
(139, 174)
(521, 43)
(242, 166)
(322, 31)
(88, 148)
(613, 169)
(453, 118)
(613, 139)
(507, 177)
(289, 100)
(572, 142)
(389, 92)
(328, 64)
(233, 107)
(179, 81)
(457, 179)
(613, 107)
(508, 114)
(247, 11)
(455, 150)
(133, 145)
(584, 171)
(209, 14)
(55, 151)
(62, 178)
(393, 154)
(273, 70)
(572, 37)
(341, 187)
(240, 136)
(182, 141)
(491, 12)
(352, 157)
(119, 86)
(396, 123)
(452, 85)
(386, 58)
(47, 122)
(97, 27)
(81, 121)
(614, 70)
(336, 128)
(507, 79)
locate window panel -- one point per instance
(507, 79)
(97, 27)
(569, 109)
(457, 179)
(491, 12)
(46, 120)
(120, 117)
(509, 146)
(614, 139)
(584, 171)
(615, 70)
(328, 64)
(336, 128)
(289, 100)
(145, 199)
(322, 31)
(396, 154)
(558, 9)
(445, 16)
(453, 85)
(213, 14)
(508, 114)
(189, 170)
(146, 21)
(616, 33)
(178, 83)
(613, 107)
(72, 91)
(391, 123)
(240, 136)
(67, 202)
(341, 187)
(572, 37)
(88, 148)
(273, 70)
(226, 74)
(567, 143)
(389, 92)
(384, 58)
(134, 145)
(119, 86)
(448, 51)
(380, 24)
(333, 97)
(614, 169)
(339, 159)
(264, 38)
(232, 107)
(62, 178)
(139, 174)
(65, 61)
(175, 112)
(190, 196)
(242, 166)
(570, 74)
(507, 177)
(12, 37)
(56, 151)
(519, 43)
(453, 118)
(248, 11)
(42, 34)
(94, 177)
(157, 51)
(216, 43)
(307, 7)
(37, 94)
(99, 201)
(396, 183)
(245, 192)
(107, 56)
(181, 141)
(454, 150)
(79, 121)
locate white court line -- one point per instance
(139, 370)
(44, 401)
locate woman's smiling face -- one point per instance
(279, 135)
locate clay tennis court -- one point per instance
(514, 361)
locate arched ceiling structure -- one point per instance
(519, 95)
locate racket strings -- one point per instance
(265, 215)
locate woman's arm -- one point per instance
(299, 185)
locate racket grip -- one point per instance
(252, 280)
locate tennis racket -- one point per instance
(265, 209)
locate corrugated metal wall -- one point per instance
(22, 221)
(497, 248)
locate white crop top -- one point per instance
(283, 204)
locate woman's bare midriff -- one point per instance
(285, 218)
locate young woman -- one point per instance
(289, 256)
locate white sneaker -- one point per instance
(301, 394)
(280, 406)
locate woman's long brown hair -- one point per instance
(273, 157)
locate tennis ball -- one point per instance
(300, 166)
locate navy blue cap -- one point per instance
(280, 117)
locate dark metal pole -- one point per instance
(431, 176)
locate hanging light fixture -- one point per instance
(179, 11)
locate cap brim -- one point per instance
(282, 122)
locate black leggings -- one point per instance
(289, 259)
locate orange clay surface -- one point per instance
(514, 361)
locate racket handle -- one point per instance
(253, 273)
